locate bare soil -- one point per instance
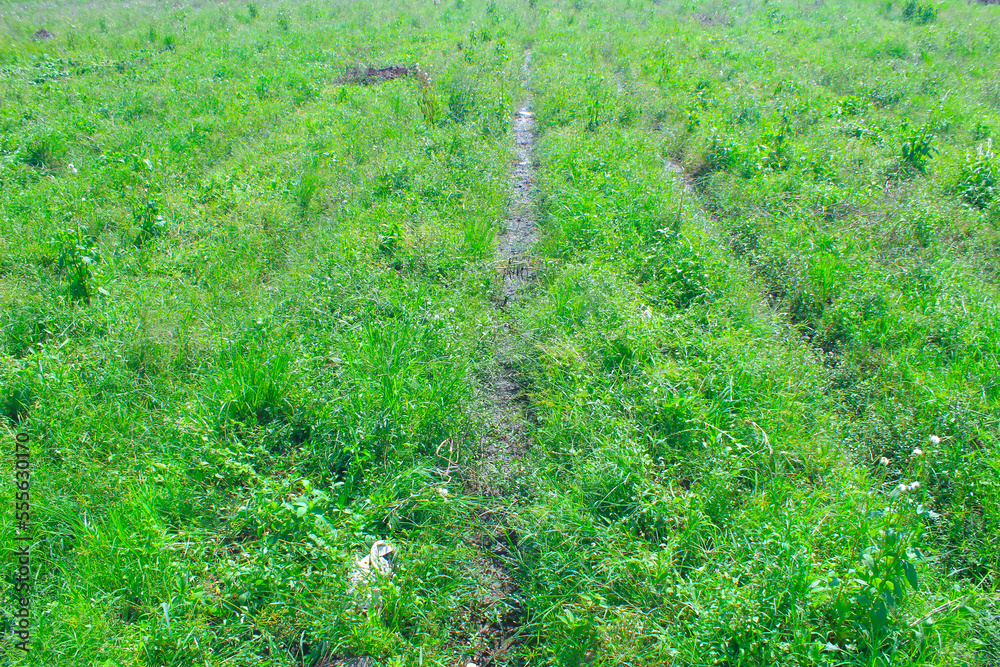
(500, 619)
(505, 437)
(497, 471)
(688, 180)
(369, 76)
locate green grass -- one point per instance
(245, 308)
(721, 372)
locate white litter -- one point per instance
(368, 570)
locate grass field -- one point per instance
(252, 321)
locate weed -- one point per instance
(264, 87)
(253, 382)
(430, 107)
(917, 148)
(43, 151)
(479, 236)
(849, 106)
(867, 600)
(151, 224)
(391, 239)
(17, 402)
(302, 90)
(726, 154)
(889, 48)
(305, 187)
(595, 104)
(394, 182)
(919, 12)
(78, 258)
(461, 101)
(884, 94)
(978, 179)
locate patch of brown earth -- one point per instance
(711, 19)
(688, 180)
(497, 471)
(369, 76)
(360, 661)
(500, 615)
(504, 438)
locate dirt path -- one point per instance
(677, 169)
(506, 439)
(496, 472)
(521, 232)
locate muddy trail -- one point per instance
(496, 472)
(370, 76)
(677, 170)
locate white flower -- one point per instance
(901, 488)
(917, 451)
(883, 461)
(914, 486)
(935, 440)
(71, 168)
(451, 310)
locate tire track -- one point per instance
(496, 473)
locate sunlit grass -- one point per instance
(246, 306)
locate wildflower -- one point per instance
(901, 488)
(917, 451)
(71, 168)
(883, 461)
(914, 486)
(935, 440)
(451, 310)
